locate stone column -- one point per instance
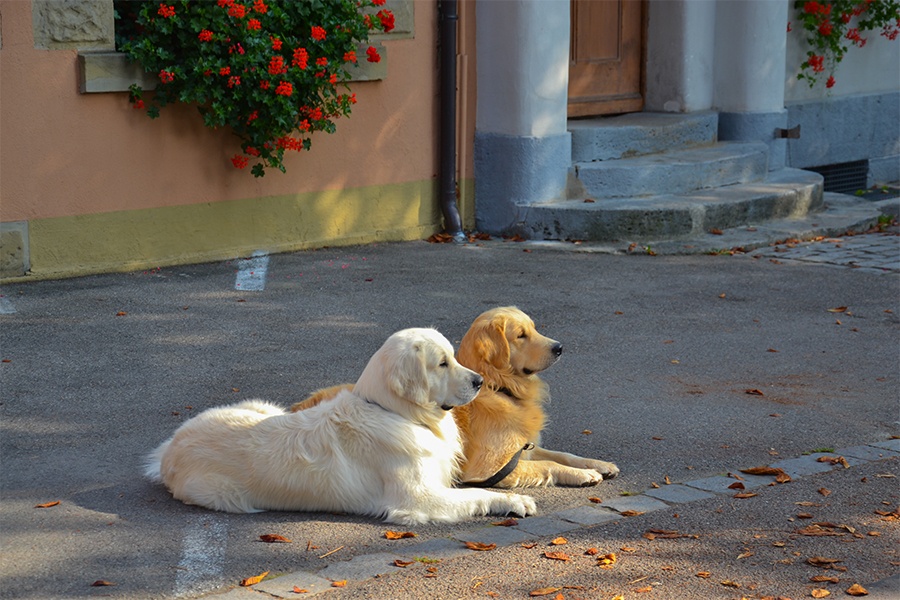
(749, 72)
(680, 55)
(522, 149)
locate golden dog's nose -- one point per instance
(556, 349)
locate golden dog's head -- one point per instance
(414, 373)
(503, 344)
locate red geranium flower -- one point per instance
(205, 36)
(387, 19)
(284, 89)
(372, 55)
(301, 58)
(318, 33)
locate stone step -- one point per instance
(839, 215)
(637, 134)
(673, 171)
(787, 193)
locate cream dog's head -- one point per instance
(415, 374)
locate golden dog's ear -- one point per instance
(407, 377)
(485, 344)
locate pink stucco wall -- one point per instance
(65, 153)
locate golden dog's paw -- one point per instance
(607, 469)
(573, 477)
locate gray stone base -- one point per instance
(514, 171)
(14, 258)
(845, 129)
(756, 127)
(883, 170)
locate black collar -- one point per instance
(506, 392)
(502, 473)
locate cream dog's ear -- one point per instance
(407, 377)
(485, 344)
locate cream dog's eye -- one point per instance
(444, 363)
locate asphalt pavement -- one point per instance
(683, 370)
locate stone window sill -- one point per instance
(109, 71)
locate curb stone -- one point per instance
(374, 565)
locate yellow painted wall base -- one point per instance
(142, 239)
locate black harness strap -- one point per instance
(502, 473)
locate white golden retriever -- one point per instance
(389, 448)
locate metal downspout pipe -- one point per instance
(448, 19)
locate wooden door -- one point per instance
(606, 57)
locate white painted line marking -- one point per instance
(202, 556)
(6, 307)
(251, 275)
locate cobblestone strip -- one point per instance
(374, 565)
(870, 252)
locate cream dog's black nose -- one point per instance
(477, 381)
(556, 349)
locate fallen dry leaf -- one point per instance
(631, 513)
(253, 580)
(529, 545)
(780, 475)
(704, 574)
(607, 560)
(745, 495)
(815, 530)
(825, 579)
(628, 549)
(402, 563)
(665, 534)
(102, 583)
(730, 583)
(440, 238)
(856, 590)
(744, 555)
(839, 309)
(642, 590)
(820, 593)
(399, 535)
(591, 552)
(822, 562)
(121, 313)
(341, 583)
(835, 460)
(558, 541)
(299, 590)
(274, 538)
(478, 546)
(506, 523)
(47, 504)
(544, 591)
(595, 500)
(804, 516)
(737, 485)
(825, 491)
(754, 392)
(556, 556)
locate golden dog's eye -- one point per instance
(523, 335)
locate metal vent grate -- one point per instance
(844, 178)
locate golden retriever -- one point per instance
(389, 447)
(501, 428)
